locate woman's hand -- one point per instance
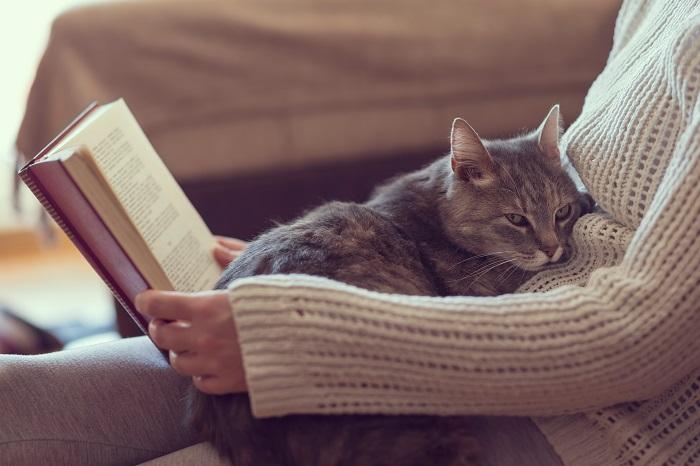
(227, 249)
(198, 331)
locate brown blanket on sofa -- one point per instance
(242, 86)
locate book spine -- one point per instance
(35, 187)
(32, 184)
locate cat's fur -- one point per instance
(439, 231)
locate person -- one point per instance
(600, 355)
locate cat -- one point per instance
(479, 221)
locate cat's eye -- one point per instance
(517, 220)
(563, 213)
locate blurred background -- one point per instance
(264, 108)
(46, 282)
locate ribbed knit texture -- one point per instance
(619, 322)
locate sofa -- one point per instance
(275, 106)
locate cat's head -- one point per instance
(512, 198)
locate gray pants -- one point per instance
(120, 403)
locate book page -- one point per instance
(155, 203)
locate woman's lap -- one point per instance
(115, 403)
(121, 403)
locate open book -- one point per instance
(105, 185)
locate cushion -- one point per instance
(240, 87)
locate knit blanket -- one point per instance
(603, 350)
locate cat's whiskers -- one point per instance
(502, 275)
(476, 280)
(490, 265)
(485, 266)
(493, 253)
(522, 276)
(511, 271)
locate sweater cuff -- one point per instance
(302, 352)
(277, 380)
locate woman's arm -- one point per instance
(316, 346)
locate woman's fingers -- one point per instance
(218, 385)
(227, 249)
(199, 331)
(231, 243)
(166, 305)
(224, 256)
(174, 336)
(191, 364)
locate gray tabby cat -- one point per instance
(479, 222)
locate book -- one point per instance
(103, 183)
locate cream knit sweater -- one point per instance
(582, 344)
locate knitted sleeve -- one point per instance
(313, 345)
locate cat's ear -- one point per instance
(470, 159)
(549, 133)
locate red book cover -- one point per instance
(63, 200)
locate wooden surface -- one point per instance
(50, 286)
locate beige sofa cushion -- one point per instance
(228, 87)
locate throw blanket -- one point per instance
(258, 86)
(583, 344)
